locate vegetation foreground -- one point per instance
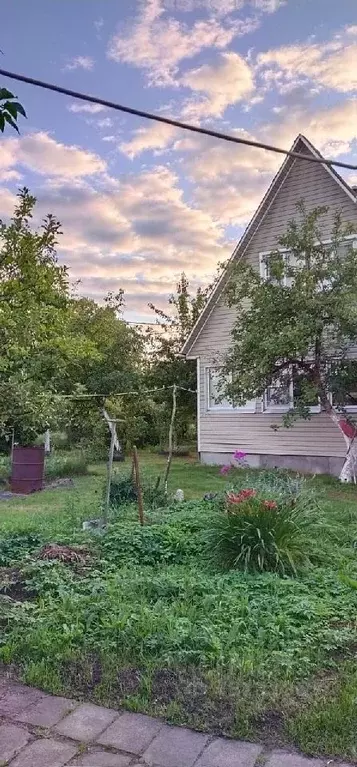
(152, 619)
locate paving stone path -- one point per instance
(39, 730)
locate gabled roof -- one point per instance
(272, 191)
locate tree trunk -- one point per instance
(349, 432)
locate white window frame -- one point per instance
(347, 408)
(276, 408)
(220, 407)
(285, 251)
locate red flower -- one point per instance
(270, 504)
(243, 495)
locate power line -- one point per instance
(170, 121)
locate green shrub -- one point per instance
(123, 490)
(66, 465)
(256, 535)
(14, 546)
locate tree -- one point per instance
(296, 326)
(36, 341)
(165, 366)
(10, 108)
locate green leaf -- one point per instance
(5, 94)
(11, 122)
(2, 122)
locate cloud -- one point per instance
(158, 45)
(224, 83)
(136, 232)
(331, 64)
(229, 181)
(106, 122)
(80, 62)
(156, 137)
(42, 154)
(92, 109)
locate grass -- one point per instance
(149, 623)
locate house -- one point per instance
(315, 445)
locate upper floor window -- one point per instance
(214, 394)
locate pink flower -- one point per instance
(225, 469)
(239, 455)
(270, 504)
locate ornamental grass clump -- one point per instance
(257, 534)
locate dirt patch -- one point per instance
(13, 585)
(61, 483)
(128, 681)
(66, 554)
(165, 685)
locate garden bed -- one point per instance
(151, 622)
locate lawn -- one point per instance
(144, 618)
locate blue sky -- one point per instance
(140, 202)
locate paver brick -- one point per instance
(47, 711)
(12, 740)
(102, 759)
(45, 753)
(175, 747)
(131, 732)
(18, 697)
(284, 759)
(86, 722)
(229, 753)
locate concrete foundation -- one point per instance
(308, 464)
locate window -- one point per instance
(214, 385)
(344, 386)
(283, 394)
(279, 267)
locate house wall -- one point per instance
(316, 444)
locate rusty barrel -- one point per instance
(27, 469)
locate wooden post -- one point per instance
(171, 432)
(138, 485)
(109, 476)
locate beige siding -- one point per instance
(225, 431)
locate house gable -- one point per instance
(315, 184)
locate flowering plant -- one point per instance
(239, 456)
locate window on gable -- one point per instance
(215, 401)
(274, 267)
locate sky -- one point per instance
(141, 202)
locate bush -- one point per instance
(123, 490)
(66, 465)
(254, 534)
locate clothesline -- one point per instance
(123, 393)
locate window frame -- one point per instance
(275, 408)
(347, 408)
(220, 407)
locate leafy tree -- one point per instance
(10, 108)
(36, 340)
(165, 365)
(295, 327)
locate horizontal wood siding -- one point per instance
(226, 431)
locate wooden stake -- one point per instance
(138, 485)
(171, 432)
(109, 476)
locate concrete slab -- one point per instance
(12, 740)
(86, 722)
(102, 759)
(175, 747)
(47, 712)
(45, 753)
(229, 753)
(131, 732)
(18, 697)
